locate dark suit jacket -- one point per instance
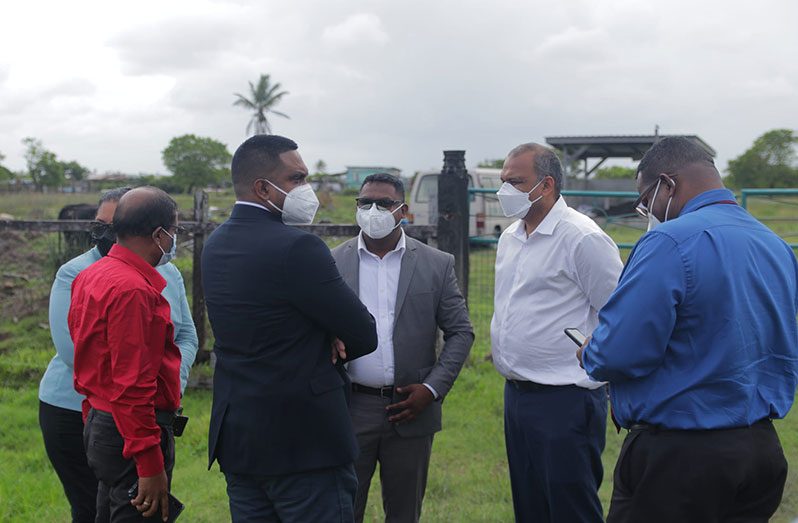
(428, 298)
(275, 300)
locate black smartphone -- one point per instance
(179, 425)
(175, 506)
(576, 336)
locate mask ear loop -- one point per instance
(670, 198)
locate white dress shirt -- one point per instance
(557, 277)
(378, 285)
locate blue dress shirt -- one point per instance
(56, 387)
(701, 331)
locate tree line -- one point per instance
(198, 161)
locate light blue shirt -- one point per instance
(56, 387)
(701, 331)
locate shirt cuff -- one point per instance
(434, 393)
(149, 462)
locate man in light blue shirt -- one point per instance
(700, 345)
(60, 414)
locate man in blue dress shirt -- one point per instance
(700, 346)
(60, 415)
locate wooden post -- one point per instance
(198, 295)
(453, 214)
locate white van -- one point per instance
(485, 217)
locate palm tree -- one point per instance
(263, 97)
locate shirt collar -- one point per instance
(252, 204)
(547, 225)
(707, 198)
(128, 257)
(400, 246)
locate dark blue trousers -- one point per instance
(555, 436)
(325, 495)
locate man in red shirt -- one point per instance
(126, 362)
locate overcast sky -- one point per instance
(391, 83)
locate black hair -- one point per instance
(390, 179)
(671, 154)
(113, 195)
(544, 162)
(142, 216)
(258, 157)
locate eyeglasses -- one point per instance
(642, 208)
(382, 205)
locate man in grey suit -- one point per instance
(411, 291)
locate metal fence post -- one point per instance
(198, 295)
(453, 214)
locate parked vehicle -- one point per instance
(486, 217)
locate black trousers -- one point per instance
(116, 474)
(732, 475)
(62, 431)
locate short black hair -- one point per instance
(544, 162)
(258, 157)
(671, 154)
(113, 195)
(389, 179)
(143, 216)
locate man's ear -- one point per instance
(548, 184)
(260, 188)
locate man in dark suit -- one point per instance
(279, 427)
(412, 291)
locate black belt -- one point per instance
(528, 386)
(382, 392)
(659, 428)
(164, 418)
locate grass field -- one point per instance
(468, 478)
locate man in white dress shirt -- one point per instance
(411, 291)
(555, 268)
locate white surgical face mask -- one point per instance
(166, 257)
(375, 223)
(653, 221)
(515, 203)
(300, 205)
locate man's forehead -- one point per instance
(520, 163)
(378, 188)
(293, 160)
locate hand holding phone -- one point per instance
(174, 504)
(576, 336)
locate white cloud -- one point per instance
(357, 29)
(110, 84)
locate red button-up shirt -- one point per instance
(126, 361)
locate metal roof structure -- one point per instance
(574, 148)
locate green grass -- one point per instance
(468, 479)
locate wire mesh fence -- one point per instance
(614, 214)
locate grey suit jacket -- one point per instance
(428, 298)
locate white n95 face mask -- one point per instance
(515, 203)
(375, 223)
(300, 205)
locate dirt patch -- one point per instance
(27, 266)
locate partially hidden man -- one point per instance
(555, 268)
(398, 390)
(60, 406)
